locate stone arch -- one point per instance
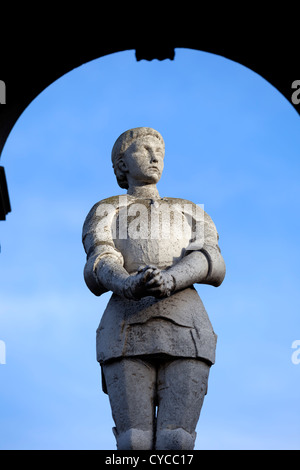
(20, 92)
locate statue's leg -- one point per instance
(131, 389)
(181, 388)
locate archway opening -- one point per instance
(231, 145)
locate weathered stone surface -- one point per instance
(155, 342)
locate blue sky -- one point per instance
(232, 144)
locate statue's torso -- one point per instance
(144, 232)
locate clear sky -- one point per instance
(232, 144)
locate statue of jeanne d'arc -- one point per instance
(155, 343)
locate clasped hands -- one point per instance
(149, 281)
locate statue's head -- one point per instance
(137, 156)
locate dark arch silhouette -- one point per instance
(35, 61)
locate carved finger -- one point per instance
(156, 280)
(155, 292)
(147, 275)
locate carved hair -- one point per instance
(122, 144)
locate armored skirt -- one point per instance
(176, 326)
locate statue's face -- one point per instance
(144, 160)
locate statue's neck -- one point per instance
(148, 191)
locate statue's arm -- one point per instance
(205, 264)
(197, 267)
(113, 276)
(104, 268)
(202, 267)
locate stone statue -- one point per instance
(155, 343)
